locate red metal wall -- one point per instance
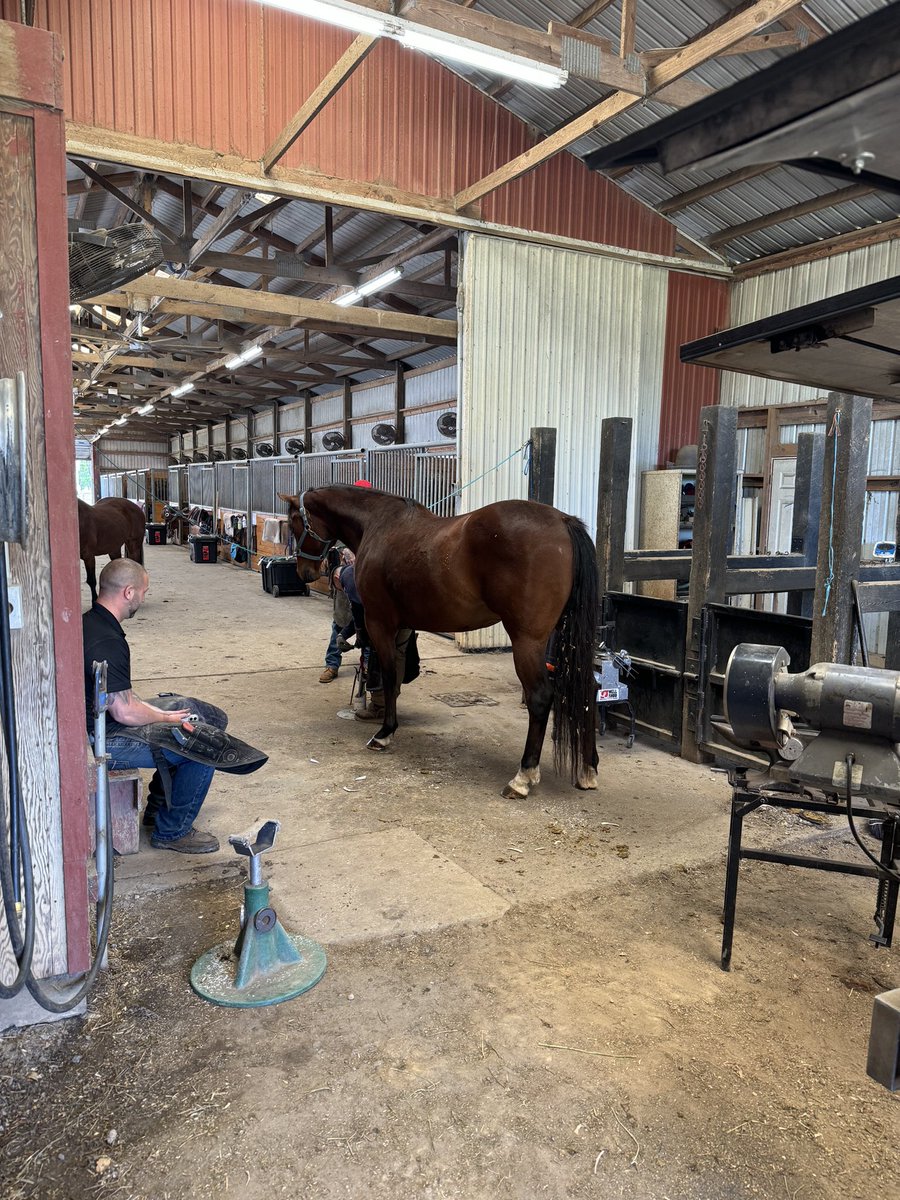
(697, 306)
(229, 74)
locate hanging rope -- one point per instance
(524, 450)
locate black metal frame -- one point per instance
(746, 799)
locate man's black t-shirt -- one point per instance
(104, 641)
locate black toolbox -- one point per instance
(279, 576)
(156, 534)
(203, 549)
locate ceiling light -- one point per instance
(120, 420)
(497, 62)
(379, 282)
(182, 389)
(348, 298)
(335, 13)
(385, 279)
(265, 197)
(145, 409)
(243, 356)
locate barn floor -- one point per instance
(522, 998)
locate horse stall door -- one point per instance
(46, 649)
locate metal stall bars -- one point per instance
(715, 575)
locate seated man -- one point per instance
(123, 585)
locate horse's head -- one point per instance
(312, 546)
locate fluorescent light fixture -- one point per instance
(245, 356)
(379, 282)
(335, 13)
(265, 197)
(120, 420)
(182, 389)
(145, 409)
(385, 279)
(497, 62)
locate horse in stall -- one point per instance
(104, 528)
(525, 564)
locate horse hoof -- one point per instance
(374, 744)
(587, 780)
(511, 793)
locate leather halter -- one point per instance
(308, 531)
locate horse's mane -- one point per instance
(407, 501)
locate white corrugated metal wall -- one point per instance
(554, 338)
(778, 291)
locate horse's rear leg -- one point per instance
(531, 667)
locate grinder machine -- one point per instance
(831, 735)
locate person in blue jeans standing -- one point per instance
(123, 585)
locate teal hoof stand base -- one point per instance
(266, 964)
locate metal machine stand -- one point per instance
(745, 799)
(266, 964)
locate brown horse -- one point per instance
(525, 564)
(104, 528)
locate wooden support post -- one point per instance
(346, 427)
(276, 427)
(892, 653)
(307, 421)
(400, 403)
(228, 439)
(612, 502)
(250, 530)
(847, 426)
(714, 502)
(542, 475)
(806, 514)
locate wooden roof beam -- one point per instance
(690, 56)
(855, 239)
(816, 204)
(343, 69)
(686, 199)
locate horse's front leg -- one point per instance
(531, 667)
(384, 644)
(90, 570)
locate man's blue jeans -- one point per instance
(332, 654)
(190, 783)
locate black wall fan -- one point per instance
(109, 258)
(294, 445)
(384, 435)
(333, 441)
(264, 449)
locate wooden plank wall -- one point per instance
(46, 652)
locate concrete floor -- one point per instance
(210, 631)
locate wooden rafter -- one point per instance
(627, 27)
(330, 85)
(587, 14)
(855, 239)
(686, 59)
(803, 209)
(686, 199)
(129, 203)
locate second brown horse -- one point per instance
(104, 528)
(525, 564)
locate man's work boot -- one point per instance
(328, 675)
(192, 842)
(374, 710)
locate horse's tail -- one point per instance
(574, 685)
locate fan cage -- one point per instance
(109, 258)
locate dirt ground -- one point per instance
(522, 998)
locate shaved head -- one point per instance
(121, 573)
